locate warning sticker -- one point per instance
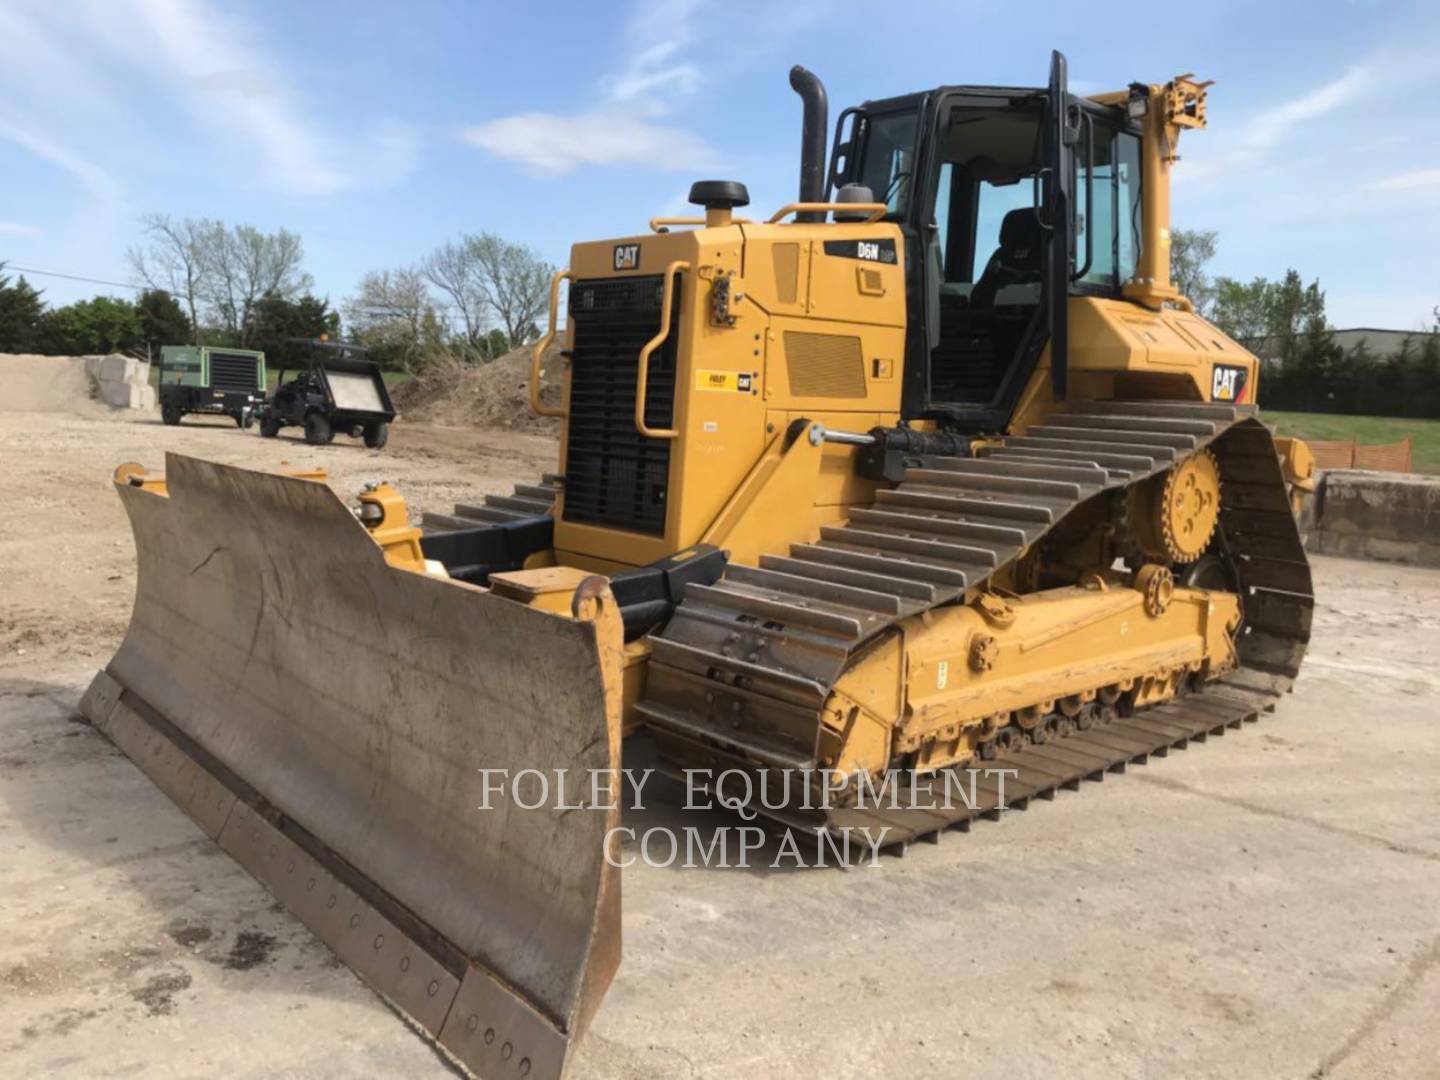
(723, 380)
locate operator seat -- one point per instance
(1015, 262)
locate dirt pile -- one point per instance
(45, 384)
(496, 394)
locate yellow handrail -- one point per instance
(875, 210)
(661, 224)
(642, 370)
(658, 224)
(542, 345)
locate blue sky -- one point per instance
(379, 130)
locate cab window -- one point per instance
(1127, 182)
(1107, 189)
(993, 202)
(889, 158)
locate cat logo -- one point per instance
(1228, 384)
(627, 256)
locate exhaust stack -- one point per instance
(812, 138)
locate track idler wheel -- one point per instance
(1009, 739)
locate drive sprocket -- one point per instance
(1189, 507)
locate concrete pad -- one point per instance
(1265, 904)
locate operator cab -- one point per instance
(977, 178)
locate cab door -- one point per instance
(1057, 210)
(976, 355)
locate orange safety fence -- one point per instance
(1349, 454)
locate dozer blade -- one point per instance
(326, 717)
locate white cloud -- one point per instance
(1269, 126)
(1225, 156)
(92, 176)
(225, 80)
(81, 70)
(1413, 180)
(15, 228)
(554, 145)
(658, 31)
(626, 128)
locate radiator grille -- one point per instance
(824, 365)
(233, 373)
(613, 475)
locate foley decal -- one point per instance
(1228, 383)
(723, 380)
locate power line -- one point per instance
(439, 308)
(78, 277)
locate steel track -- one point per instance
(738, 675)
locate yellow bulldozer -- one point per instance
(931, 469)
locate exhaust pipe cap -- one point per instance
(719, 194)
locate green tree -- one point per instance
(1426, 378)
(1359, 383)
(1294, 307)
(275, 320)
(1312, 359)
(103, 324)
(21, 310)
(162, 320)
(1398, 375)
(494, 345)
(1190, 252)
(1242, 310)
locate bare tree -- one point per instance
(391, 297)
(173, 260)
(492, 282)
(242, 264)
(219, 272)
(394, 313)
(453, 270)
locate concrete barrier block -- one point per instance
(117, 368)
(1394, 517)
(124, 395)
(114, 394)
(1396, 506)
